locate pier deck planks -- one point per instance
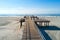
(30, 32)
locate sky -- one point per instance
(29, 6)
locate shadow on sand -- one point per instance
(43, 28)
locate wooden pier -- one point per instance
(30, 31)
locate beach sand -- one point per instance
(11, 30)
(55, 21)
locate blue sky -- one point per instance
(29, 6)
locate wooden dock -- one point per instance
(30, 32)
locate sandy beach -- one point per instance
(10, 28)
(55, 21)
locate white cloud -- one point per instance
(27, 11)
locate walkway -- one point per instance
(30, 31)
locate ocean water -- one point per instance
(35, 14)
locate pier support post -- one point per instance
(40, 23)
(46, 23)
